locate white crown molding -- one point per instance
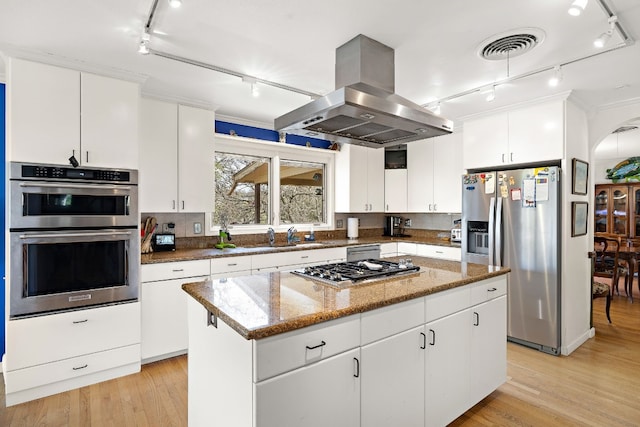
(10, 51)
(618, 104)
(197, 103)
(246, 122)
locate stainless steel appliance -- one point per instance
(512, 218)
(74, 239)
(359, 253)
(364, 108)
(349, 273)
(394, 226)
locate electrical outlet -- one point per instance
(407, 222)
(165, 228)
(197, 228)
(339, 223)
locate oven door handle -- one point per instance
(78, 187)
(99, 233)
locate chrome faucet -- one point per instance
(272, 236)
(291, 236)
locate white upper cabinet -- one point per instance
(395, 190)
(56, 113)
(359, 179)
(109, 122)
(176, 158)
(434, 169)
(526, 135)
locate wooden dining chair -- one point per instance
(599, 289)
(633, 257)
(607, 262)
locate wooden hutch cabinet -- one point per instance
(617, 209)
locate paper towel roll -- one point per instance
(352, 228)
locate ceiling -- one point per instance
(293, 43)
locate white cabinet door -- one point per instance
(447, 173)
(486, 141)
(488, 348)
(326, 393)
(375, 179)
(109, 122)
(196, 187)
(359, 179)
(158, 175)
(536, 133)
(44, 101)
(164, 317)
(395, 190)
(447, 368)
(392, 389)
(420, 157)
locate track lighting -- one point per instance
(556, 78)
(492, 94)
(255, 90)
(577, 7)
(143, 48)
(602, 40)
(436, 109)
(175, 3)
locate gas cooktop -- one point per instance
(349, 273)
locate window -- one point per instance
(242, 189)
(301, 192)
(265, 184)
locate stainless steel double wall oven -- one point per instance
(74, 239)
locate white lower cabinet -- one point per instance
(164, 306)
(488, 347)
(447, 368)
(59, 352)
(326, 393)
(392, 389)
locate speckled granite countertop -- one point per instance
(193, 254)
(263, 305)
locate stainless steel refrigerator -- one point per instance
(512, 218)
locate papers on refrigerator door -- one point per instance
(542, 189)
(529, 193)
(489, 184)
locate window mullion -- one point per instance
(275, 193)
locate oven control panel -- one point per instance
(60, 172)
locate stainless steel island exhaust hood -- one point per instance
(364, 109)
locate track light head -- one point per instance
(556, 78)
(603, 39)
(175, 3)
(143, 48)
(577, 7)
(491, 95)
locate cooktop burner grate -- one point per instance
(346, 273)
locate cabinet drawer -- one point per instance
(291, 350)
(488, 289)
(388, 250)
(45, 339)
(405, 248)
(174, 270)
(24, 379)
(440, 252)
(229, 264)
(386, 321)
(447, 302)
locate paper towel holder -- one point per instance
(352, 228)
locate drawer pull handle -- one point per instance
(232, 264)
(75, 322)
(424, 340)
(439, 252)
(322, 344)
(433, 337)
(492, 289)
(476, 322)
(357, 374)
(304, 257)
(77, 368)
(177, 270)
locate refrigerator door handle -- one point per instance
(492, 215)
(499, 232)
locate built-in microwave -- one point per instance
(395, 157)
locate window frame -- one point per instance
(276, 151)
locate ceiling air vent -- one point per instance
(510, 44)
(625, 129)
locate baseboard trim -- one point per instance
(567, 350)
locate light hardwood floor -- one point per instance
(597, 385)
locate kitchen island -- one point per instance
(277, 349)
